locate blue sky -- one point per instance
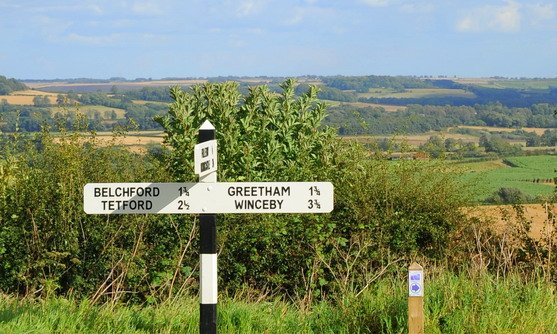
(195, 38)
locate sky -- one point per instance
(208, 38)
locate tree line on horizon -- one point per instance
(420, 115)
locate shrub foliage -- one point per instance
(384, 211)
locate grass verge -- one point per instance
(453, 304)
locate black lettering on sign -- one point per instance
(205, 152)
(205, 166)
(126, 192)
(258, 204)
(133, 205)
(183, 205)
(183, 191)
(258, 191)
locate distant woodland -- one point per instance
(9, 85)
(356, 104)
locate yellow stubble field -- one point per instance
(503, 217)
(135, 141)
(417, 139)
(538, 131)
(25, 97)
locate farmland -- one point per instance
(386, 107)
(501, 83)
(343, 272)
(88, 87)
(415, 140)
(416, 93)
(25, 97)
(495, 129)
(503, 217)
(135, 141)
(90, 110)
(532, 175)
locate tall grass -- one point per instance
(454, 303)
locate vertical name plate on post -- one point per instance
(205, 160)
(205, 157)
(415, 299)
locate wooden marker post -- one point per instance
(205, 166)
(415, 299)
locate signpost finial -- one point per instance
(207, 125)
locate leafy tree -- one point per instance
(263, 136)
(4, 105)
(41, 101)
(508, 196)
(499, 146)
(434, 146)
(9, 85)
(549, 138)
(395, 208)
(61, 99)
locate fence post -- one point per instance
(415, 299)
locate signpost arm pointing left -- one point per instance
(208, 251)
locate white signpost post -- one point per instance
(208, 198)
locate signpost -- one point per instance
(206, 168)
(208, 198)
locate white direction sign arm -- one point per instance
(221, 197)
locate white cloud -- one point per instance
(540, 12)
(417, 7)
(236, 42)
(95, 8)
(376, 3)
(505, 18)
(94, 40)
(299, 15)
(51, 8)
(147, 8)
(249, 7)
(154, 38)
(296, 16)
(255, 31)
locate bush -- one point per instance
(48, 244)
(508, 196)
(384, 211)
(402, 209)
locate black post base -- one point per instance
(208, 318)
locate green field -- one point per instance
(520, 84)
(415, 93)
(521, 173)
